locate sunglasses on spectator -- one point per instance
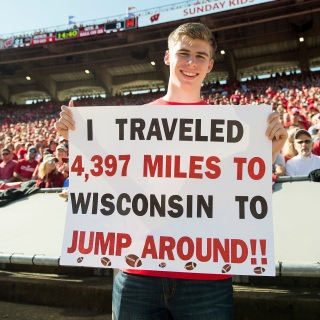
(32, 151)
(303, 141)
(5, 154)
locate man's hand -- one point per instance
(277, 133)
(65, 122)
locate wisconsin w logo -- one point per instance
(155, 17)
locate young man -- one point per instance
(176, 295)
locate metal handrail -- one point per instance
(283, 269)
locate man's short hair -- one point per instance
(195, 31)
(6, 149)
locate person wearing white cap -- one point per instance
(305, 161)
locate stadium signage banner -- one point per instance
(184, 188)
(93, 30)
(67, 34)
(195, 10)
(43, 38)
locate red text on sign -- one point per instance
(168, 166)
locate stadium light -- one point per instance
(222, 52)
(301, 39)
(28, 78)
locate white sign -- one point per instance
(199, 8)
(173, 188)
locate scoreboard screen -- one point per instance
(114, 26)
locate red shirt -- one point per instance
(7, 169)
(171, 274)
(55, 180)
(26, 168)
(22, 153)
(316, 148)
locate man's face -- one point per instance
(303, 144)
(32, 153)
(295, 117)
(53, 146)
(6, 156)
(61, 153)
(189, 60)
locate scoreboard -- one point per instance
(69, 34)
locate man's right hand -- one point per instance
(65, 122)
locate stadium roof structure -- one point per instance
(258, 39)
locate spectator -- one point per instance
(11, 147)
(296, 120)
(17, 147)
(305, 162)
(25, 167)
(316, 148)
(65, 171)
(36, 170)
(41, 152)
(7, 166)
(235, 98)
(63, 141)
(61, 152)
(53, 146)
(48, 175)
(22, 151)
(38, 146)
(315, 126)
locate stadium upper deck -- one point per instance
(257, 39)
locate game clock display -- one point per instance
(67, 34)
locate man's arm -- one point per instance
(19, 177)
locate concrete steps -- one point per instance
(260, 298)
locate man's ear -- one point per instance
(167, 58)
(211, 63)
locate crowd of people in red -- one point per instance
(31, 148)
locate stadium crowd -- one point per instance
(31, 148)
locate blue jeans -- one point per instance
(138, 297)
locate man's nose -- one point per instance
(191, 60)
